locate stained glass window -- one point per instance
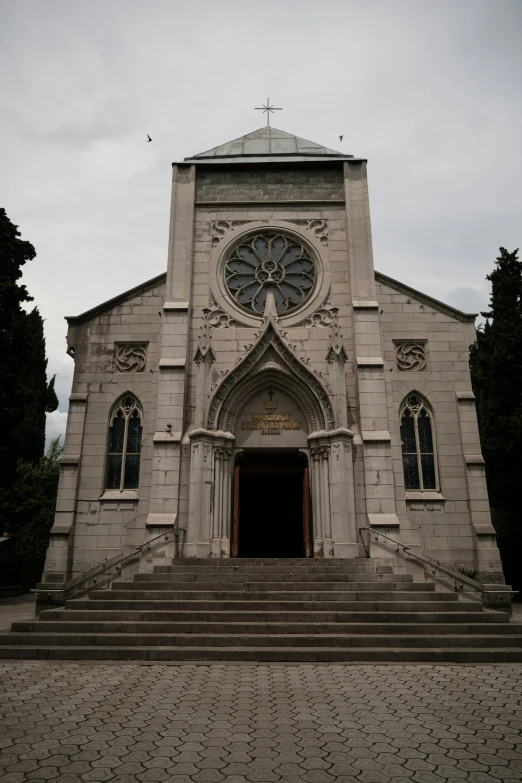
(419, 456)
(123, 463)
(270, 261)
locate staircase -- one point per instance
(269, 610)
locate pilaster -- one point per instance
(170, 421)
(59, 553)
(373, 412)
(333, 494)
(210, 492)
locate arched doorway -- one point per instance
(271, 505)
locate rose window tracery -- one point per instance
(270, 261)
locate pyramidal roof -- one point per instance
(268, 143)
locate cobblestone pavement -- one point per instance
(190, 723)
(12, 610)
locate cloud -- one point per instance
(428, 92)
(55, 426)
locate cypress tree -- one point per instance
(496, 372)
(25, 395)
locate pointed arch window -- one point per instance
(419, 454)
(124, 452)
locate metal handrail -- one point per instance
(78, 583)
(436, 566)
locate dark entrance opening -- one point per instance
(271, 505)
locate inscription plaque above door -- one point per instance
(271, 419)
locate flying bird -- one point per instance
(340, 138)
(148, 138)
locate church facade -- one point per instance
(271, 395)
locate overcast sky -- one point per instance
(428, 90)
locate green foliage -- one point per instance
(472, 573)
(496, 373)
(25, 395)
(29, 503)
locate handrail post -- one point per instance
(493, 599)
(82, 584)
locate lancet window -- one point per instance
(419, 454)
(124, 451)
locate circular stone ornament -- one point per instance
(270, 260)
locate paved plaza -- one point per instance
(189, 723)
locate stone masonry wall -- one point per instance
(104, 527)
(444, 522)
(277, 183)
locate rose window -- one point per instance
(267, 261)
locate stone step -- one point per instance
(249, 586)
(311, 567)
(271, 610)
(286, 562)
(261, 576)
(268, 654)
(371, 617)
(279, 605)
(272, 595)
(231, 626)
(255, 640)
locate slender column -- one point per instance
(325, 497)
(226, 510)
(215, 549)
(316, 500)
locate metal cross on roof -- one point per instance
(267, 108)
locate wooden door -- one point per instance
(235, 520)
(306, 514)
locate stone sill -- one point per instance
(176, 306)
(429, 496)
(116, 494)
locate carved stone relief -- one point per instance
(130, 357)
(220, 228)
(318, 228)
(322, 317)
(411, 357)
(217, 318)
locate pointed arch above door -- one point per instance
(271, 360)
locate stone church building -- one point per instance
(271, 395)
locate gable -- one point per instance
(110, 304)
(424, 299)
